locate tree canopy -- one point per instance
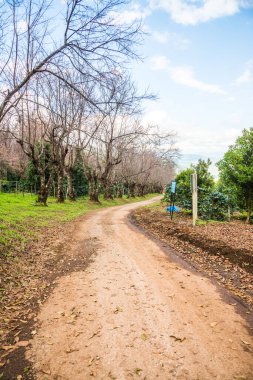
(205, 182)
(236, 169)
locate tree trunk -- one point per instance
(108, 192)
(120, 191)
(71, 191)
(248, 207)
(139, 190)
(60, 193)
(248, 216)
(43, 192)
(93, 193)
(143, 192)
(131, 190)
(93, 189)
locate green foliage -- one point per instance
(205, 178)
(7, 173)
(230, 192)
(205, 183)
(31, 176)
(236, 170)
(212, 203)
(7, 186)
(214, 206)
(167, 194)
(183, 194)
(80, 182)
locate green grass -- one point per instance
(156, 206)
(21, 220)
(204, 222)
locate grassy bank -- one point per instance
(22, 220)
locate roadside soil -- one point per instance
(136, 313)
(223, 251)
(27, 280)
(101, 300)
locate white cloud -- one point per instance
(184, 75)
(193, 141)
(133, 13)
(193, 12)
(161, 37)
(174, 39)
(159, 62)
(157, 116)
(247, 74)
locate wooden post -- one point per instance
(194, 198)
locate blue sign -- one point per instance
(173, 209)
(173, 187)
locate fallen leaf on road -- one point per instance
(245, 342)
(94, 334)
(117, 310)
(91, 361)
(137, 371)
(144, 337)
(22, 343)
(177, 339)
(111, 376)
(70, 350)
(7, 348)
(46, 371)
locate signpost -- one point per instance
(194, 188)
(172, 198)
(173, 187)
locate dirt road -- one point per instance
(134, 313)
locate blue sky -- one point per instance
(198, 59)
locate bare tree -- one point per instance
(31, 131)
(118, 128)
(37, 38)
(68, 113)
(149, 164)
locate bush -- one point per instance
(214, 206)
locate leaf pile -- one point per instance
(27, 280)
(221, 250)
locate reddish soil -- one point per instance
(133, 312)
(223, 251)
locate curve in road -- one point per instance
(135, 314)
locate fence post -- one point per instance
(194, 198)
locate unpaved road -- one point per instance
(134, 313)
